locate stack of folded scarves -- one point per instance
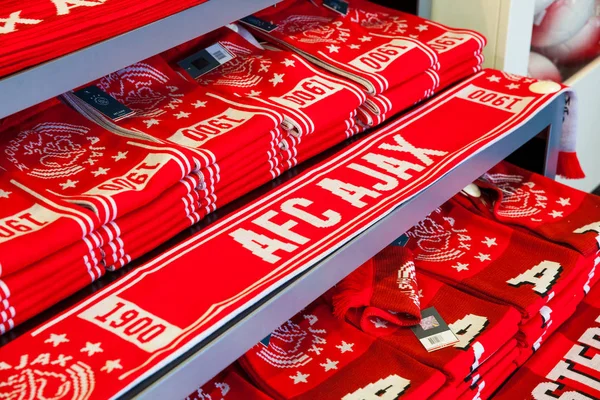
(234, 143)
(398, 59)
(230, 384)
(93, 200)
(40, 30)
(386, 294)
(540, 279)
(317, 356)
(566, 367)
(318, 108)
(532, 203)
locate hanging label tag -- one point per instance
(401, 241)
(433, 332)
(206, 60)
(339, 6)
(259, 23)
(104, 103)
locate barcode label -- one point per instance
(220, 53)
(435, 339)
(439, 340)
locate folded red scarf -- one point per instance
(230, 384)
(384, 289)
(567, 365)
(317, 356)
(40, 30)
(310, 99)
(361, 46)
(490, 382)
(27, 216)
(491, 259)
(482, 328)
(543, 206)
(168, 107)
(63, 153)
(378, 108)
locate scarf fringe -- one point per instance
(568, 166)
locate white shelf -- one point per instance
(207, 359)
(42, 82)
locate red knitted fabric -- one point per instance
(379, 107)
(310, 99)
(170, 108)
(40, 30)
(368, 47)
(481, 326)
(384, 289)
(31, 217)
(317, 356)
(545, 207)
(492, 260)
(230, 384)
(63, 153)
(566, 366)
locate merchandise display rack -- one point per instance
(201, 363)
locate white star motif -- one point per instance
(199, 104)
(461, 267)
(379, 323)
(68, 184)
(91, 348)
(182, 114)
(513, 86)
(344, 347)
(329, 365)
(254, 93)
(263, 68)
(421, 295)
(299, 377)
(556, 214)
(414, 36)
(100, 171)
(562, 201)
(365, 39)
(111, 365)
(493, 78)
(422, 27)
(277, 79)
(151, 122)
(57, 339)
(315, 349)
(354, 46)
(289, 63)
(4, 194)
(120, 156)
(528, 80)
(333, 48)
(483, 257)
(489, 242)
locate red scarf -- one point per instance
(315, 356)
(566, 363)
(368, 46)
(40, 30)
(492, 260)
(311, 100)
(230, 384)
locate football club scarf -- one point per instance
(384, 289)
(169, 108)
(358, 49)
(492, 260)
(325, 206)
(310, 100)
(40, 30)
(315, 355)
(566, 365)
(543, 206)
(482, 328)
(62, 153)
